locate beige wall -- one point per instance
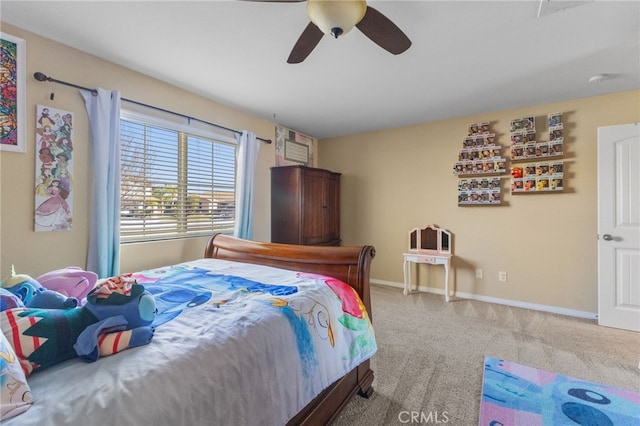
(399, 179)
(34, 253)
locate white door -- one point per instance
(619, 226)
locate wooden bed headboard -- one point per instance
(349, 264)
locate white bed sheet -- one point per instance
(246, 361)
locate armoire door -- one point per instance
(314, 206)
(331, 208)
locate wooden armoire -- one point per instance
(305, 206)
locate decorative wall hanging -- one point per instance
(293, 148)
(54, 169)
(12, 91)
(479, 191)
(536, 164)
(480, 156)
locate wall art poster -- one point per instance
(54, 169)
(12, 91)
(293, 148)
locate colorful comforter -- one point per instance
(235, 344)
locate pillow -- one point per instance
(15, 395)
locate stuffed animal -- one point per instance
(9, 300)
(117, 316)
(34, 295)
(21, 285)
(71, 281)
(49, 299)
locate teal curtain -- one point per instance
(247, 157)
(104, 234)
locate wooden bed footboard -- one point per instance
(349, 264)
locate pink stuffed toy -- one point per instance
(71, 281)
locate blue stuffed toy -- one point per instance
(34, 295)
(118, 315)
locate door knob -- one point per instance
(607, 237)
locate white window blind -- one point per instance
(174, 184)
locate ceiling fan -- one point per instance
(338, 17)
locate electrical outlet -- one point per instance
(479, 273)
(502, 276)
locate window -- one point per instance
(174, 184)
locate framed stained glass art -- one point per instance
(12, 89)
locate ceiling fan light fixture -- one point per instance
(336, 17)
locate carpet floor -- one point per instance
(429, 364)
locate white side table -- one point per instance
(431, 259)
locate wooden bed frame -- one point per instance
(349, 264)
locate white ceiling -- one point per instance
(467, 57)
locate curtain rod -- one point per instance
(42, 77)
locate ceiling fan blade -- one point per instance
(383, 32)
(308, 40)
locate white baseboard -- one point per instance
(508, 302)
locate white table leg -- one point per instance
(407, 274)
(446, 282)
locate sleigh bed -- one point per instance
(184, 376)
